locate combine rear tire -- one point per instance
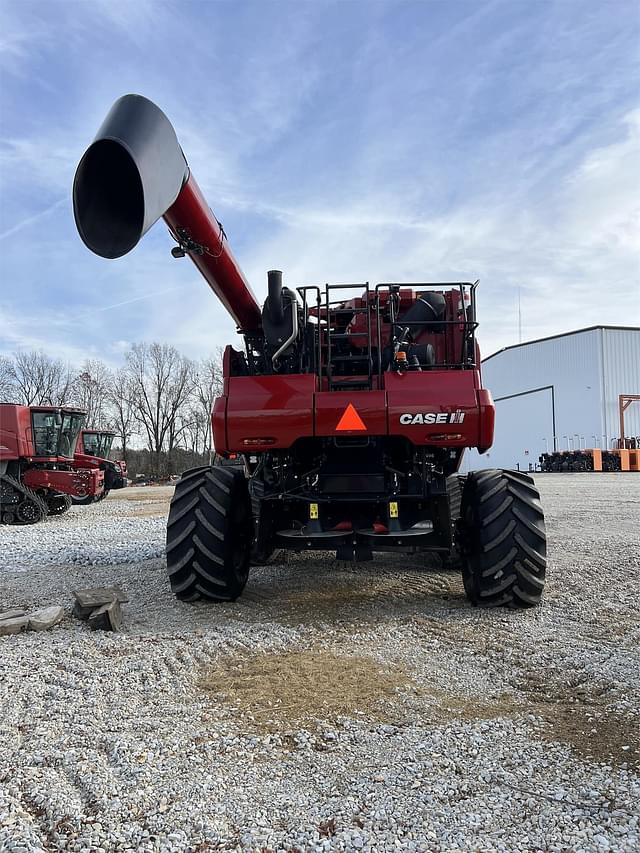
(209, 535)
(502, 540)
(83, 501)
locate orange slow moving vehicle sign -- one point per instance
(350, 420)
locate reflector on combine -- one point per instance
(350, 420)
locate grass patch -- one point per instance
(297, 686)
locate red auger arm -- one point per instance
(133, 173)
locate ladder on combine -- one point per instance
(347, 370)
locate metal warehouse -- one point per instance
(561, 393)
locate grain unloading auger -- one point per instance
(352, 412)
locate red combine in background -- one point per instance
(352, 412)
(92, 451)
(37, 475)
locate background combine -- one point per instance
(352, 404)
(93, 448)
(38, 476)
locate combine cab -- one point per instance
(37, 476)
(92, 451)
(352, 405)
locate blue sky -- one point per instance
(337, 141)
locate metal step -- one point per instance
(349, 358)
(350, 386)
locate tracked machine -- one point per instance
(92, 452)
(352, 404)
(37, 472)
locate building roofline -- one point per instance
(562, 335)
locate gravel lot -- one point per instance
(334, 706)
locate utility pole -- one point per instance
(519, 318)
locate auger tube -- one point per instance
(134, 173)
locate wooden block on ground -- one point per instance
(108, 617)
(82, 612)
(88, 599)
(11, 614)
(13, 626)
(45, 618)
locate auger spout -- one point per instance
(134, 173)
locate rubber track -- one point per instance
(201, 538)
(503, 540)
(27, 494)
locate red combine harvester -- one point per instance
(92, 451)
(37, 476)
(352, 413)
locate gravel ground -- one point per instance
(334, 707)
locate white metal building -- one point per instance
(560, 392)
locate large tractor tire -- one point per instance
(502, 540)
(209, 535)
(85, 500)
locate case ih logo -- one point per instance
(410, 419)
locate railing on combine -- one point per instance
(330, 333)
(466, 325)
(339, 349)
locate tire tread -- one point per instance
(202, 538)
(502, 539)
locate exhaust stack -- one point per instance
(134, 173)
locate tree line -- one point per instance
(158, 402)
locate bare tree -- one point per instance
(120, 399)
(91, 390)
(208, 384)
(8, 393)
(40, 380)
(161, 382)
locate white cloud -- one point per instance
(336, 155)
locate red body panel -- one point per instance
(219, 423)
(87, 460)
(436, 407)
(369, 406)
(447, 401)
(487, 419)
(276, 408)
(76, 483)
(15, 432)
(81, 461)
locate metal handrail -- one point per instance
(468, 326)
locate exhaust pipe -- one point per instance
(274, 299)
(134, 173)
